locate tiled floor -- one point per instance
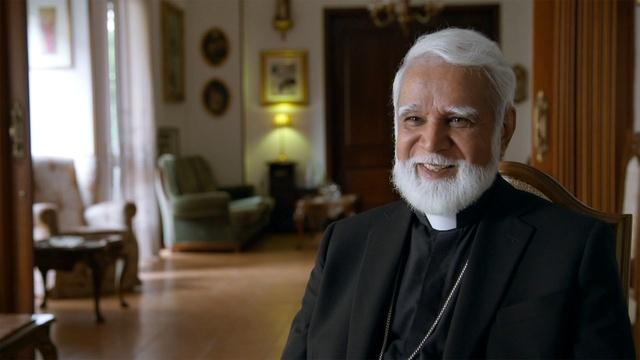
(195, 306)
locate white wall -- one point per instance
(244, 140)
(167, 114)
(218, 139)
(61, 103)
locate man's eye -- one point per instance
(413, 120)
(459, 122)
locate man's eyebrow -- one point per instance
(405, 109)
(463, 111)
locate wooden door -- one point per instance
(583, 95)
(361, 61)
(16, 243)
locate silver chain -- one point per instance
(435, 322)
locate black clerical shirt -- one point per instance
(433, 261)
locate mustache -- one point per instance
(435, 159)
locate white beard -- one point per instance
(445, 196)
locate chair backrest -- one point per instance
(185, 175)
(534, 181)
(55, 181)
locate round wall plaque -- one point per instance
(215, 97)
(215, 46)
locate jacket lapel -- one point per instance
(376, 282)
(500, 241)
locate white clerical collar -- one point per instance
(442, 222)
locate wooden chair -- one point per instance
(532, 180)
(59, 210)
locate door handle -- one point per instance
(16, 130)
(541, 123)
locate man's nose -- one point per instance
(434, 137)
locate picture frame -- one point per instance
(168, 140)
(173, 73)
(215, 97)
(284, 77)
(215, 46)
(49, 34)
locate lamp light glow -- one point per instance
(282, 119)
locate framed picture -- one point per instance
(173, 77)
(215, 97)
(49, 34)
(168, 140)
(215, 46)
(284, 76)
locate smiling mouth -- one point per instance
(436, 167)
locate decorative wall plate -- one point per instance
(215, 46)
(215, 97)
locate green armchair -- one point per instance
(198, 215)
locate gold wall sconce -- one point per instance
(282, 21)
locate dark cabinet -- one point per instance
(282, 187)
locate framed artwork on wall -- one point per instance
(49, 34)
(173, 77)
(215, 97)
(168, 140)
(215, 46)
(284, 76)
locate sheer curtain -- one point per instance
(136, 120)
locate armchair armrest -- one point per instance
(45, 220)
(96, 233)
(111, 214)
(214, 203)
(238, 191)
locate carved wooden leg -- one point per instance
(96, 272)
(43, 273)
(300, 227)
(48, 351)
(123, 271)
(45, 345)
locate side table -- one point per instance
(21, 331)
(55, 254)
(282, 188)
(315, 212)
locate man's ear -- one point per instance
(508, 127)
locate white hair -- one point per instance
(465, 48)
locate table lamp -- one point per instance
(281, 120)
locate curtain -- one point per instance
(102, 180)
(136, 120)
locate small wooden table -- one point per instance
(95, 253)
(314, 212)
(21, 331)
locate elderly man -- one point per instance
(467, 266)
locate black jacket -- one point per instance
(542, 282)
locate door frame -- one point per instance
(16, 223)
